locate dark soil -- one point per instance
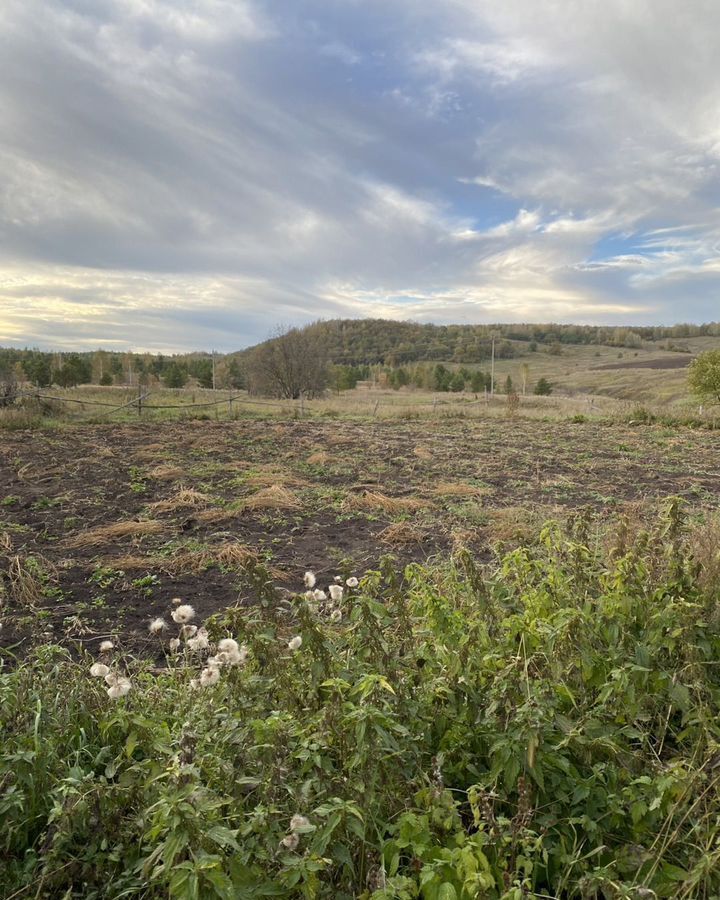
(56, 486)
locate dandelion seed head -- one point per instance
(228, 645)
(99, 670)
(309, 580)
(299, 821)
(201, 641)
(352, 582)
(209, 676)
(119, 688)
(183, 614)
(319, 595)
(176, 601)
(337, 579)
(336, 592)
(295, 643)
(106, 646)
(188, 631)
(336, 616)
(174, 644)
(290, 841)
(157, 626)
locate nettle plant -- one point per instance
(545, 727)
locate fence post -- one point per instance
(139, 400)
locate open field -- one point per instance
(102, 525)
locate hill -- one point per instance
(357, 342)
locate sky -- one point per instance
(191, 174)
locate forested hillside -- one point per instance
(370, 341)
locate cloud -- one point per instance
(195, 171)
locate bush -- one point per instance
(547, 727)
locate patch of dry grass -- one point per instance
(460, 489)
(273, 497)
(165, 472)
(181, 499)
(230, 554)
(106, 534)
(704, 542)
(422, 453)
(373, 501)
(27, 577)
(401, 534)
(319, 458)
(271, 477)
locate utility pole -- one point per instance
(213, 364)
(492, 370)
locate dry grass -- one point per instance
(460, 489)
(165, 472)
(373, 501)
(273, 497)
(705, 549)
(106, 534)
(319, 458)
(514, 525)
(422, 453)
(129, 562)
(401, 534)
(231, 555)
(27, 577)
(271, 476)
(183, 498)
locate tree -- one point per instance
(175, 375)
(509, 389)
(457, 383)
(477, 382)
(38, 368)
(74, 370)
(291, 364)
(543, 388)
(704, 376)
(202, 369)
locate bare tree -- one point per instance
(289, 365)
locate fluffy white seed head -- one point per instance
(352, 582)
(201, 641)
(209, 676)
(290, 841)
(157, 626)
(337, 579)
(183, 614)
(106, 646)
(336, 616)
(174, 644)
(336, 592)
(99, 670)
(309, 580)
(319, 595)
(176, 601)
(297, 822)
(295, 643)
(119, 688)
